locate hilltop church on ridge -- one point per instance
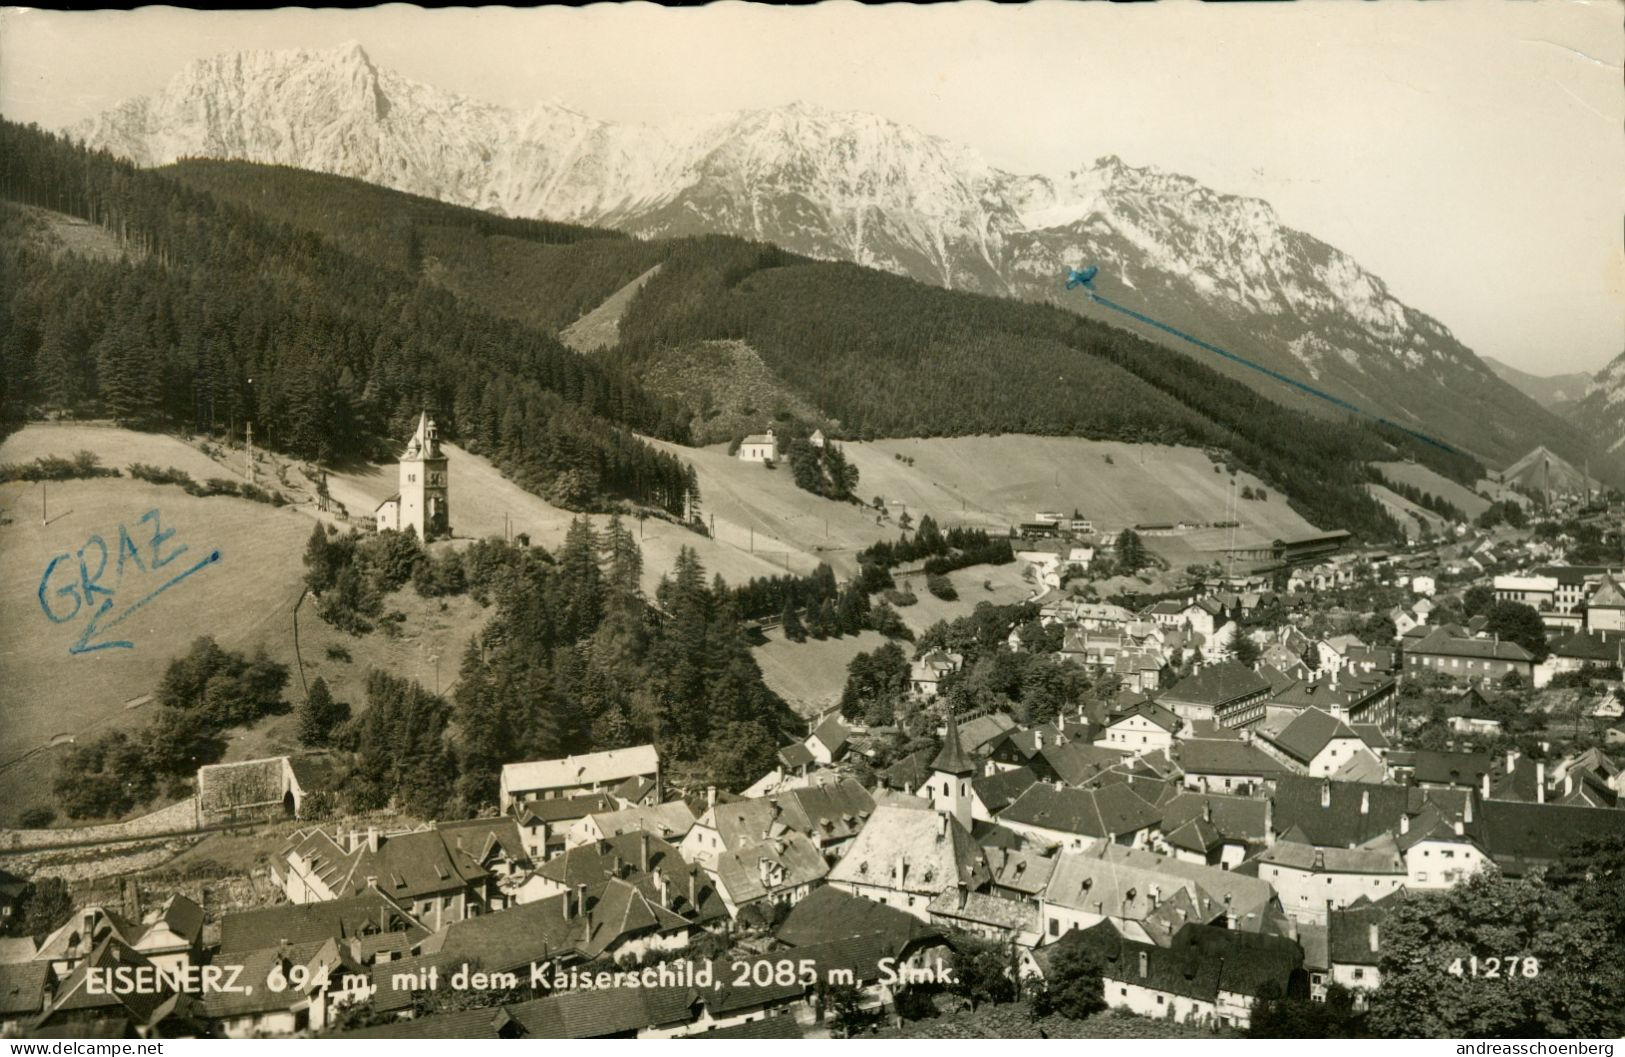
(421, 502)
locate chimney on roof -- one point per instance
(581, 900)
(942, 827)
(1467, 809)
(1568, 783)
(1365, 801)
(710, 796)
(693, 893)
(1371, 935)
(1325, 793)
(1320, 859)
(1038, 739)
(1540, 781)
(372, 839)
(1484, 784)
(643, 851)
(1404, 824)
(1207, 810)
(1512, 759)
(1461, 828)
(1143, 965)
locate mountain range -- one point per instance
(861, 188)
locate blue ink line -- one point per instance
(84, 646)
(1277, 375)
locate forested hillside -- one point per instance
(221, 316)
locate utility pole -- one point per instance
(251, 452)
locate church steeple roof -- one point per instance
(953, 759)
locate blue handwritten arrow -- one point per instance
(84, 645)
(1086, 280)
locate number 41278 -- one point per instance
(1492, 967)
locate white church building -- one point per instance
(421, 502)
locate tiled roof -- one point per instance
(1441, 643)
(1349, 934)
(793, 856)
(1465, 769)
(1237, 818)
(225, 787)
(1016, 915)
(1018, 870)
(1152, 711)
(1355, 812)
(976, 734)
(1382, 857)
(1248, 898)
(828, 913)
(1607, 595)
(564, 809)
(670, 820)
(1520, 836)
(1075, 762)
(22, 988)
(953, 759)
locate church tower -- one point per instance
(951, 775)
(424, 484)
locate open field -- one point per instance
(991, 482)
(480, 498)
(245, 599)
(1419, 476)
(751, 506)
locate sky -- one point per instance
(1469, 152)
